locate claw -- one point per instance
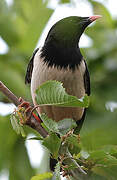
(24, 103)
(21, 99)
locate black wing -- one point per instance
(87, 91)
(87, 80)
(30, 68)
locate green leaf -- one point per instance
(13, 152)
(111, 149)
(52, 142)
(51, 124)
(36, 138)
(28, 16)
(18, 157)
(107, 172)
(56, 175)
(53, 93)
(64, 1)
(84, 154)
(61, 127)
(13, 74)
(16, 124)
(106, 20)
(66, 125)
(73, 144)
(103, 158)
(104, 161)
(43, 176)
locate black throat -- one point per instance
(61, 57)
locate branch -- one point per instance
(9, 94)
(32, 122)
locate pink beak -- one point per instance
(93, 18)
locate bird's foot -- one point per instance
(27, 111)
(23, 111)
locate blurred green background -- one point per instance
(21, 25)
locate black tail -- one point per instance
(53, 163)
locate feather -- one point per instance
(30, 68)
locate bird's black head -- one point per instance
(61, 45)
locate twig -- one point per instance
(77, 172)
(32, 122)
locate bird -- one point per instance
(60, 59)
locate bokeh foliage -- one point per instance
(21, 25)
